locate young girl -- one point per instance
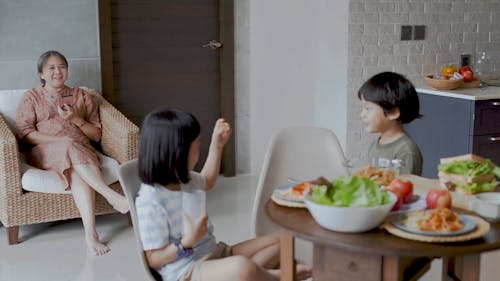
(389, 100)
(175, 246)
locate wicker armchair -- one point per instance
(119, 140)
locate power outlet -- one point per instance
(419, 32)
(464, 59)
(406, 31)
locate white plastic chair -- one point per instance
(128, 175)
(302, 153)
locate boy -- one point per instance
(389, 100)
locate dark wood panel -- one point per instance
(172, 9)
(158, 60)
(184, 25)
(488, 146)
(487, 117)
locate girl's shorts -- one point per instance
(222, 250)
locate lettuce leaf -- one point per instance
(469, 168)
(350, 191)
(477, 187)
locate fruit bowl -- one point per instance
(443, 84)
(349, 219)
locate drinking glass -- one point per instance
(388, 164)
(482, 66)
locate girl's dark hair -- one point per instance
(42, 60)
(166, 136)
(390, 91)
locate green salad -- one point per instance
(350, 191)
(470, 169)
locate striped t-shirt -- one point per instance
(160, 223)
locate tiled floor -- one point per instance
(56, 252)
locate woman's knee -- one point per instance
(244, 269)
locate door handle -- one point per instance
(213, 44)
(495, 139)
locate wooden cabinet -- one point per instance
(454, 126)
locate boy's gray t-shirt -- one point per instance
(403, 148)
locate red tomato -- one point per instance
(405, 188)
(438, 198)
(468, 76)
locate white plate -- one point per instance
(397, 219)
(279, 192)
(417, 203)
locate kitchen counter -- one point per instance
(482, 93)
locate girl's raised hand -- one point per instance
(221, 134)
(193, 232)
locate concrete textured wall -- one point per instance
(28, 28)
(453, 27)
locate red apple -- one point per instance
(405, 187)
(462, 69)
(468, 76)
(438, 198)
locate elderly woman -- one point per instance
(59, 122)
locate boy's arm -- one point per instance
(220, 136)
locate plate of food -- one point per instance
(435, 222)
(382, 177)
(293, 191)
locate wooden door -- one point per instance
(157, 53)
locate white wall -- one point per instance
(29, 28)
(298, 68)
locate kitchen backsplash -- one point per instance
(452, 28)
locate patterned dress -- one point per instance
(38, 111)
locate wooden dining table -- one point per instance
(377, 254)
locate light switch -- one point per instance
(419, 32)
(406, 32)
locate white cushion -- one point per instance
(9, 101)
(34, 179)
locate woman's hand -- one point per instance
(221, 134)
(67, 113)
(193, 231)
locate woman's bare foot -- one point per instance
(121, 205)
(95, 246)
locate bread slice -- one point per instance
(472, 157)
(450, 181)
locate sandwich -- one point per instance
(469, 174)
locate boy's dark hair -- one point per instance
(166, 136)
(42, 60)
(390, 91)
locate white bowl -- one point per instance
(487, 204)
(349, 219)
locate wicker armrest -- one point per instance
(10, 176)
(120, 136)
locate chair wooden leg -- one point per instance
(13, 233)
(129, 219)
